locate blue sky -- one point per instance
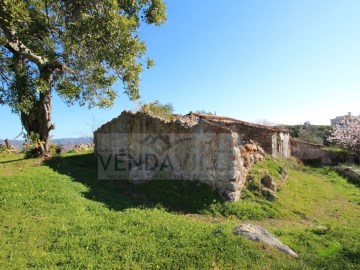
(286, 61)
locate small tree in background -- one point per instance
(310, 133)
(165, 111)
(347, 134)
(205, 112)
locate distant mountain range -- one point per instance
(68, 142)
(72, 141)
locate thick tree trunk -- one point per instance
(38, 120)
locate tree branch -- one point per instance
(18, 47)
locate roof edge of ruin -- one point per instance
(225, 118)
(211, 118)
(125, 113)
(308, 143)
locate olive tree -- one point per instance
(76, 48)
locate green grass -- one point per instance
(335, 148)
(57, 215)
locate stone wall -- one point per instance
(306, 151)
(274, 141)
(310, 151)
(190, 147)
(350, 173)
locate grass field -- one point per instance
(57, 215)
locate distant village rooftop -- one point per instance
(338, 119)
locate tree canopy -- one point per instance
(347, 134)
(77, 48)
(310, 133)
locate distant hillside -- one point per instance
(72, 141)
(17, 143)
(66, 142)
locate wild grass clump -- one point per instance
(3, 149)
(253, 205)
(243, 210)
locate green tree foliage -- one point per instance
(165, 111)
(76, 48)
(310, 133)
(347, 134)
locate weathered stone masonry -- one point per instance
(223, 148)
(309, 151)
(274, 141)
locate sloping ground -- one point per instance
(58, 215)
(351, 173)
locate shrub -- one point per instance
(55, 149)
(3, 149)
(32, 145)
(164, 111)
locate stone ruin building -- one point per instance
(218, 151)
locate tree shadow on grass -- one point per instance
(10, 161)
(313, 163)
(174, 195)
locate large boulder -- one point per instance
(250, 147)
(268, 182)
(269, 194)
(258, 234)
